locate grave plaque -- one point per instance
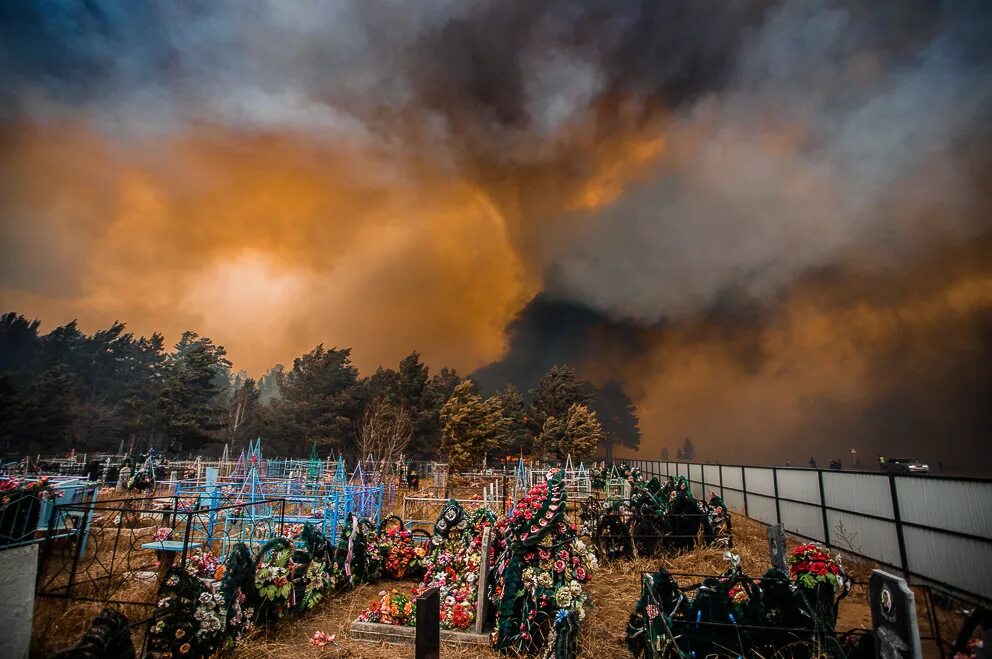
(893, 617)
(428, 643)
(481, 601)
(776, 547)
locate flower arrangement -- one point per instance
(317, 582)
(273, 579)
(320, 639)
(162, 534)
(240, 618)
(453, 567)
(186, 504)
(274, 574)
(189, 620)
(391, 608)
(357, 557)
(12, 489)
(536, 512)
(451, 564)
(810, 564)
(674, 487)
(972, 649)
(539, 592)
(140, 481)
(237, 576)
(400, 554)
(738, 594)
(211, 614)
(202, 564)
(293, 531)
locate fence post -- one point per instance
(823, 509)
(744, 488)
(189, 530)
(47, 554)
(778, 511)
(78, 553)
(897, 517)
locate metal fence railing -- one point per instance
(934, 529)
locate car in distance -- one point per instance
(905, 466)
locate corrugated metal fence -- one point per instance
(932, 528)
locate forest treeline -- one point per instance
(98, 392)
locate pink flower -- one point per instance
(320, 639)
(580, 574)
(652, 611)
(559, 565)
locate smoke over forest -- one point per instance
(768, 221)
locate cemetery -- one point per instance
(260, 557)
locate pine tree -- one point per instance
(577, 433)
(241, 424)
(557, 391)
(461, 441)
(321, 400)
(190, 406)
(616, 412)
(516, 436)
(686, 452)
(47, 418)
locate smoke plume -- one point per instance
(769, 220)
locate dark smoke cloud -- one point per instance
(849, 356)
(719, 203)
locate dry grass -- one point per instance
(61, 623)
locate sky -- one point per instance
(770, 221)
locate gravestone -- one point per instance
(481, 601)
(777, 547)
(122, 478)
(893, 617)
(428, 643)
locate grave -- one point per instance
(475, 635)
(776, 547)
(893, 617)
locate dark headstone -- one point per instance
(429, 625)
(893, 617)
(776, 547)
